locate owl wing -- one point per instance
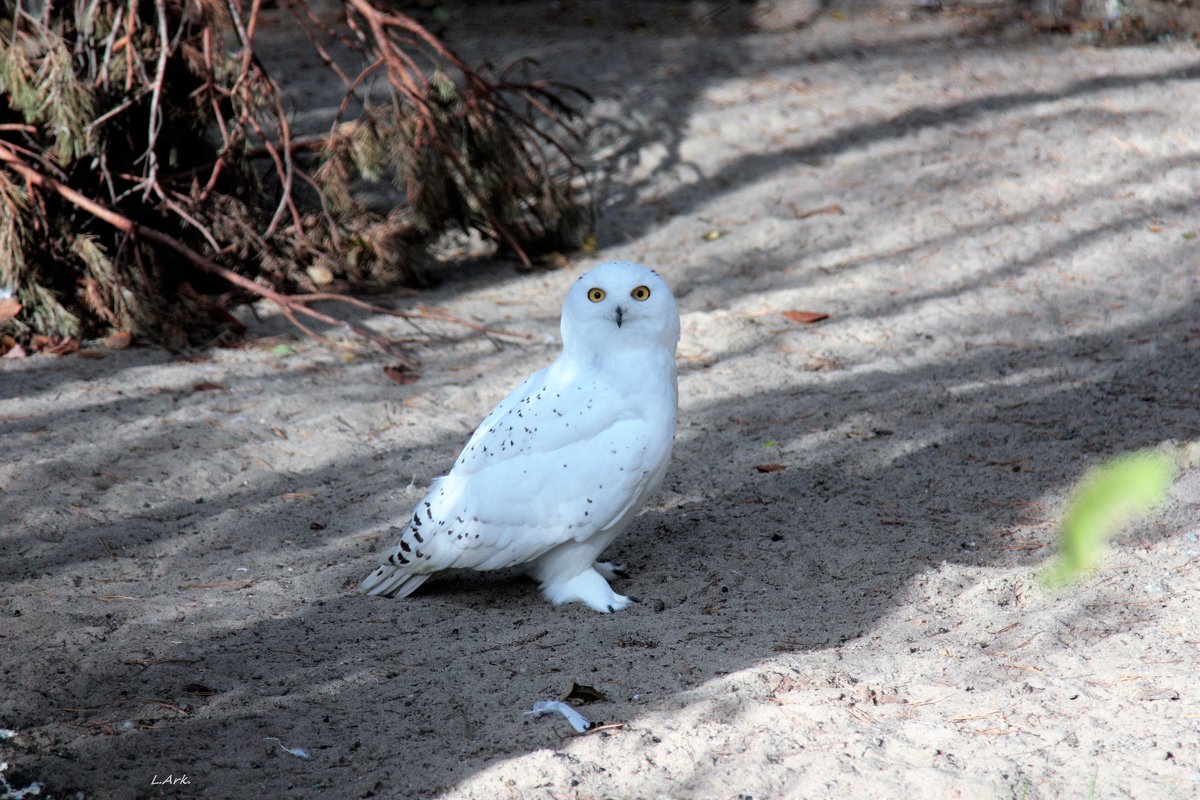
(544, 468)
(516, 509)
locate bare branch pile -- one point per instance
(150, 180)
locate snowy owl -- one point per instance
(562, 465)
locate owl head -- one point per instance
(620, 304)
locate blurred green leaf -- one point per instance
(282, 350)
(1108, 498)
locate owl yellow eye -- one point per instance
(595, 295)
(640, 293)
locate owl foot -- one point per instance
(589, 588)
(610, 570)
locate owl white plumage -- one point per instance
(564, 462)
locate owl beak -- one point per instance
(620, 315)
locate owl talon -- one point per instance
(610, 570)
(589, 588)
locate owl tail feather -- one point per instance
(391, 581)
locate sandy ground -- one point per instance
(839, 577)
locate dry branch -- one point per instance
(289, 305)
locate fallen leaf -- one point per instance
(16, 351)
(282, 350)
(55, 347)
(584, 694)
(770, 467)
(9, 308)
(712, 236)
(209, 386)
(65, 347)
(401, 373)
(804, 317)
(117, 341)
